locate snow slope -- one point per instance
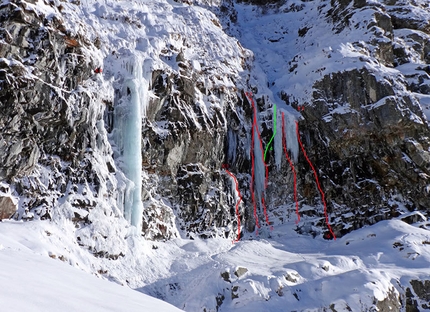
(287, 272)
(282, 272)
(30, 281)
(295, 44)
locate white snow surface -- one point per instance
(32, 281)
(42, 270)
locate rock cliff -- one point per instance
(362, 104)
(363, 126)
(56, 160)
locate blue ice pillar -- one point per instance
(129, 113)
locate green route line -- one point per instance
(274, 133)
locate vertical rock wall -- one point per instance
(55, 156)
(365, 128)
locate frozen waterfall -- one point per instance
(129, 112)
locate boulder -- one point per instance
(7, 207)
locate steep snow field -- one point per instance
(294, 46)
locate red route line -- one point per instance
(284, 144)
(317, 182)
(255, 128)
(237, 204)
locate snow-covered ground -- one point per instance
(264, 274)
(32, 281)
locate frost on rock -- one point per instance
(156, 126)
(56, 157)
(354, 81)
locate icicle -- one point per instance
(269, 145)
(259, 168)
(254, 203)
(238, 199)
(291, 136)
(277, 144)
(259, 165)
(293, 170)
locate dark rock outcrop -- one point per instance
(365, 129)
(422, 295)
(185, 150)
(42, 113)
(53, 137)
(8, 204)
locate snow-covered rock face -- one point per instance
(191, 76)
(367, 131)
(56, 159)
(356, 73)
(123, 113)
(349, 72)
